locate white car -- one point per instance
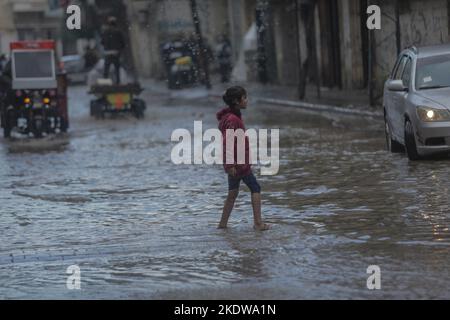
(417, 102)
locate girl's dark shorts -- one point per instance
(249, 180)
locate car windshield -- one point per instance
(433, 72)
(33, 64)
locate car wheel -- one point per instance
(410, 142)
(9, 124)
(392, 145)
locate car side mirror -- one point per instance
(397, 86)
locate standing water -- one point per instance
(111, 202)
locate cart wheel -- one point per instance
(97, 110)
(8, 124)
(99, 114)
(138, 106)
(6, 130)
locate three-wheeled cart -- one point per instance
(36, 102)
(117, 98)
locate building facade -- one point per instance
(29, 20)
(321, 42)
(337, 50)
(154, 22)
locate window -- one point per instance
(433, 72)
(397, 62)
(401, 66)
(33, 64)
(26, 34)
(407, 73)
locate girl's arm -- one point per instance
(231, 168)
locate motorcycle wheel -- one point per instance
(38, 127)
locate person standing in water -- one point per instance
(231, 118)
(224, 57)
(113, 42)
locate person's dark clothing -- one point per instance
(90, 59)
(230, 118)
(113, 42)
(224, 56)
(225, 72)
(207, 51)
(249, 180)
(6, 96)
(2, 62)
(114, 60)
(113, 39)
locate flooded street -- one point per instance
(138, 226)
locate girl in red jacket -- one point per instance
(231, 118)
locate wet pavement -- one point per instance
(111, 201)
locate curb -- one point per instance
(315, 107)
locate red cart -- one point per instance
(37, 101)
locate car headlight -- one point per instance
(428, 114)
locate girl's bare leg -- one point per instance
(256, 203)
(228, 207)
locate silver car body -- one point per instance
(74, 67)
(431, 137)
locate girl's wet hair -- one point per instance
(234, 95)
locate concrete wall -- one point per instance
(241, 14)
(351, 45)
(175, 18)
(144, 37)
(285, 41)
(30, 19)
(7, 30)
(154, 22)
(422, 23)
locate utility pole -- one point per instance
(397, 27)
(198, 34)
(301, 87)
(371, 64)
(313, 5)
(311, 65)
(261, 27)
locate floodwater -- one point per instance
(111, 202)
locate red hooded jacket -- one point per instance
(232, 119)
